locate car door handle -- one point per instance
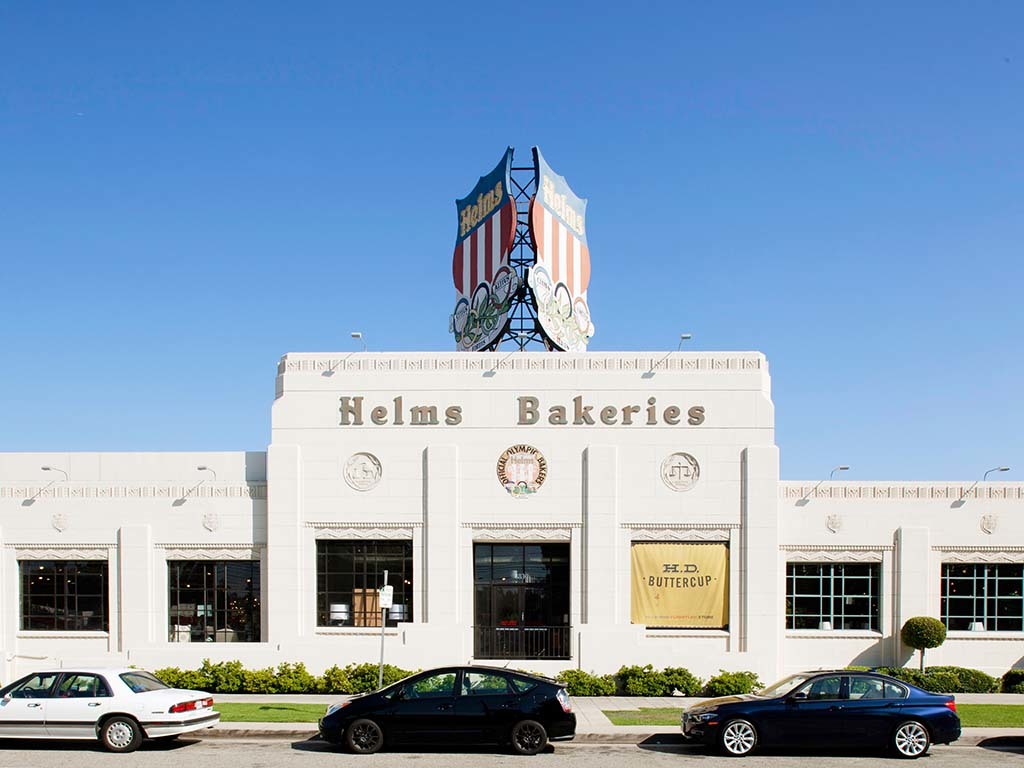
(442, 707)
(835, 708)
(33, 706)
(95, 703)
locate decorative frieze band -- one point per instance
(525, 534)
(837, 491)
(61, 551)
(522, 531)
(363, 531)
(836, 547)
(681, 526)
(520, 526)
(524, 361)
(214, 552)
(680, 534)
(61, 490)
(968, 554)
(837, 556)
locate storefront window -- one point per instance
(214, 601)
(64, 595)
(348, 575)
(832, 596)
(977, 596)
(679, 584)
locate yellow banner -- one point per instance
(680, 585)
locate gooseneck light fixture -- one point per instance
(682, 337)
(204, 468)
(520, 340)
(803, 500)
(56, 469)
(358, 336)
(963, 496)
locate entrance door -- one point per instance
(522, 601)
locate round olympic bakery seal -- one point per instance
(522, 470)
(362, 471)
(680, 471)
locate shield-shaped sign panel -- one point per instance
(485, 283)
(560, 276)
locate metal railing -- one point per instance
(522, 642)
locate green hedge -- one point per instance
(1013, 681)
(580, 683)
(945, 679)
(232, 677)
(732, 683)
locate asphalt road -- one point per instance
(271, 753)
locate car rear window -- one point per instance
(522, 684)
(140, 682)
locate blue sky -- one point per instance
(190, 190)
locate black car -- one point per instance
(828, 709)
(468, 705)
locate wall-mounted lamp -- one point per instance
(803, 500)
(358, 336)
(520, 340)
(203, 468)
(963, 496)
(32, 499)
(682, 337)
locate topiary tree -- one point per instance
(921, 632)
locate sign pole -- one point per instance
(383, 623)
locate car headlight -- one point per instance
(335, 707)
(702, 717)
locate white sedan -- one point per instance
(120, 707)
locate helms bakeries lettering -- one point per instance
(577, 412)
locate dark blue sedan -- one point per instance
(453, 705)
(827, 709)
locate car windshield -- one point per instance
(140, 682)
(784, 686)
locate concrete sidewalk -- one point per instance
(591, 724)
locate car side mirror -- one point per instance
(798, 696)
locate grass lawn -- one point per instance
(231, 712)
(971, 716)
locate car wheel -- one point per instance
(910, 739)
(528, 737)
(364, 737)
(737, 738)
(121, 734)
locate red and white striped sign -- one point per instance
(486, 249)
(559, 250)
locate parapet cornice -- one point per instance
(936, 491)
(478, 362)
(175, 491)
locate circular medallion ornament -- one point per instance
(362, 471)
(680, 471)
(522, 470)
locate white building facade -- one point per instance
(517, 502)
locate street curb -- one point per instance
(652, 738)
